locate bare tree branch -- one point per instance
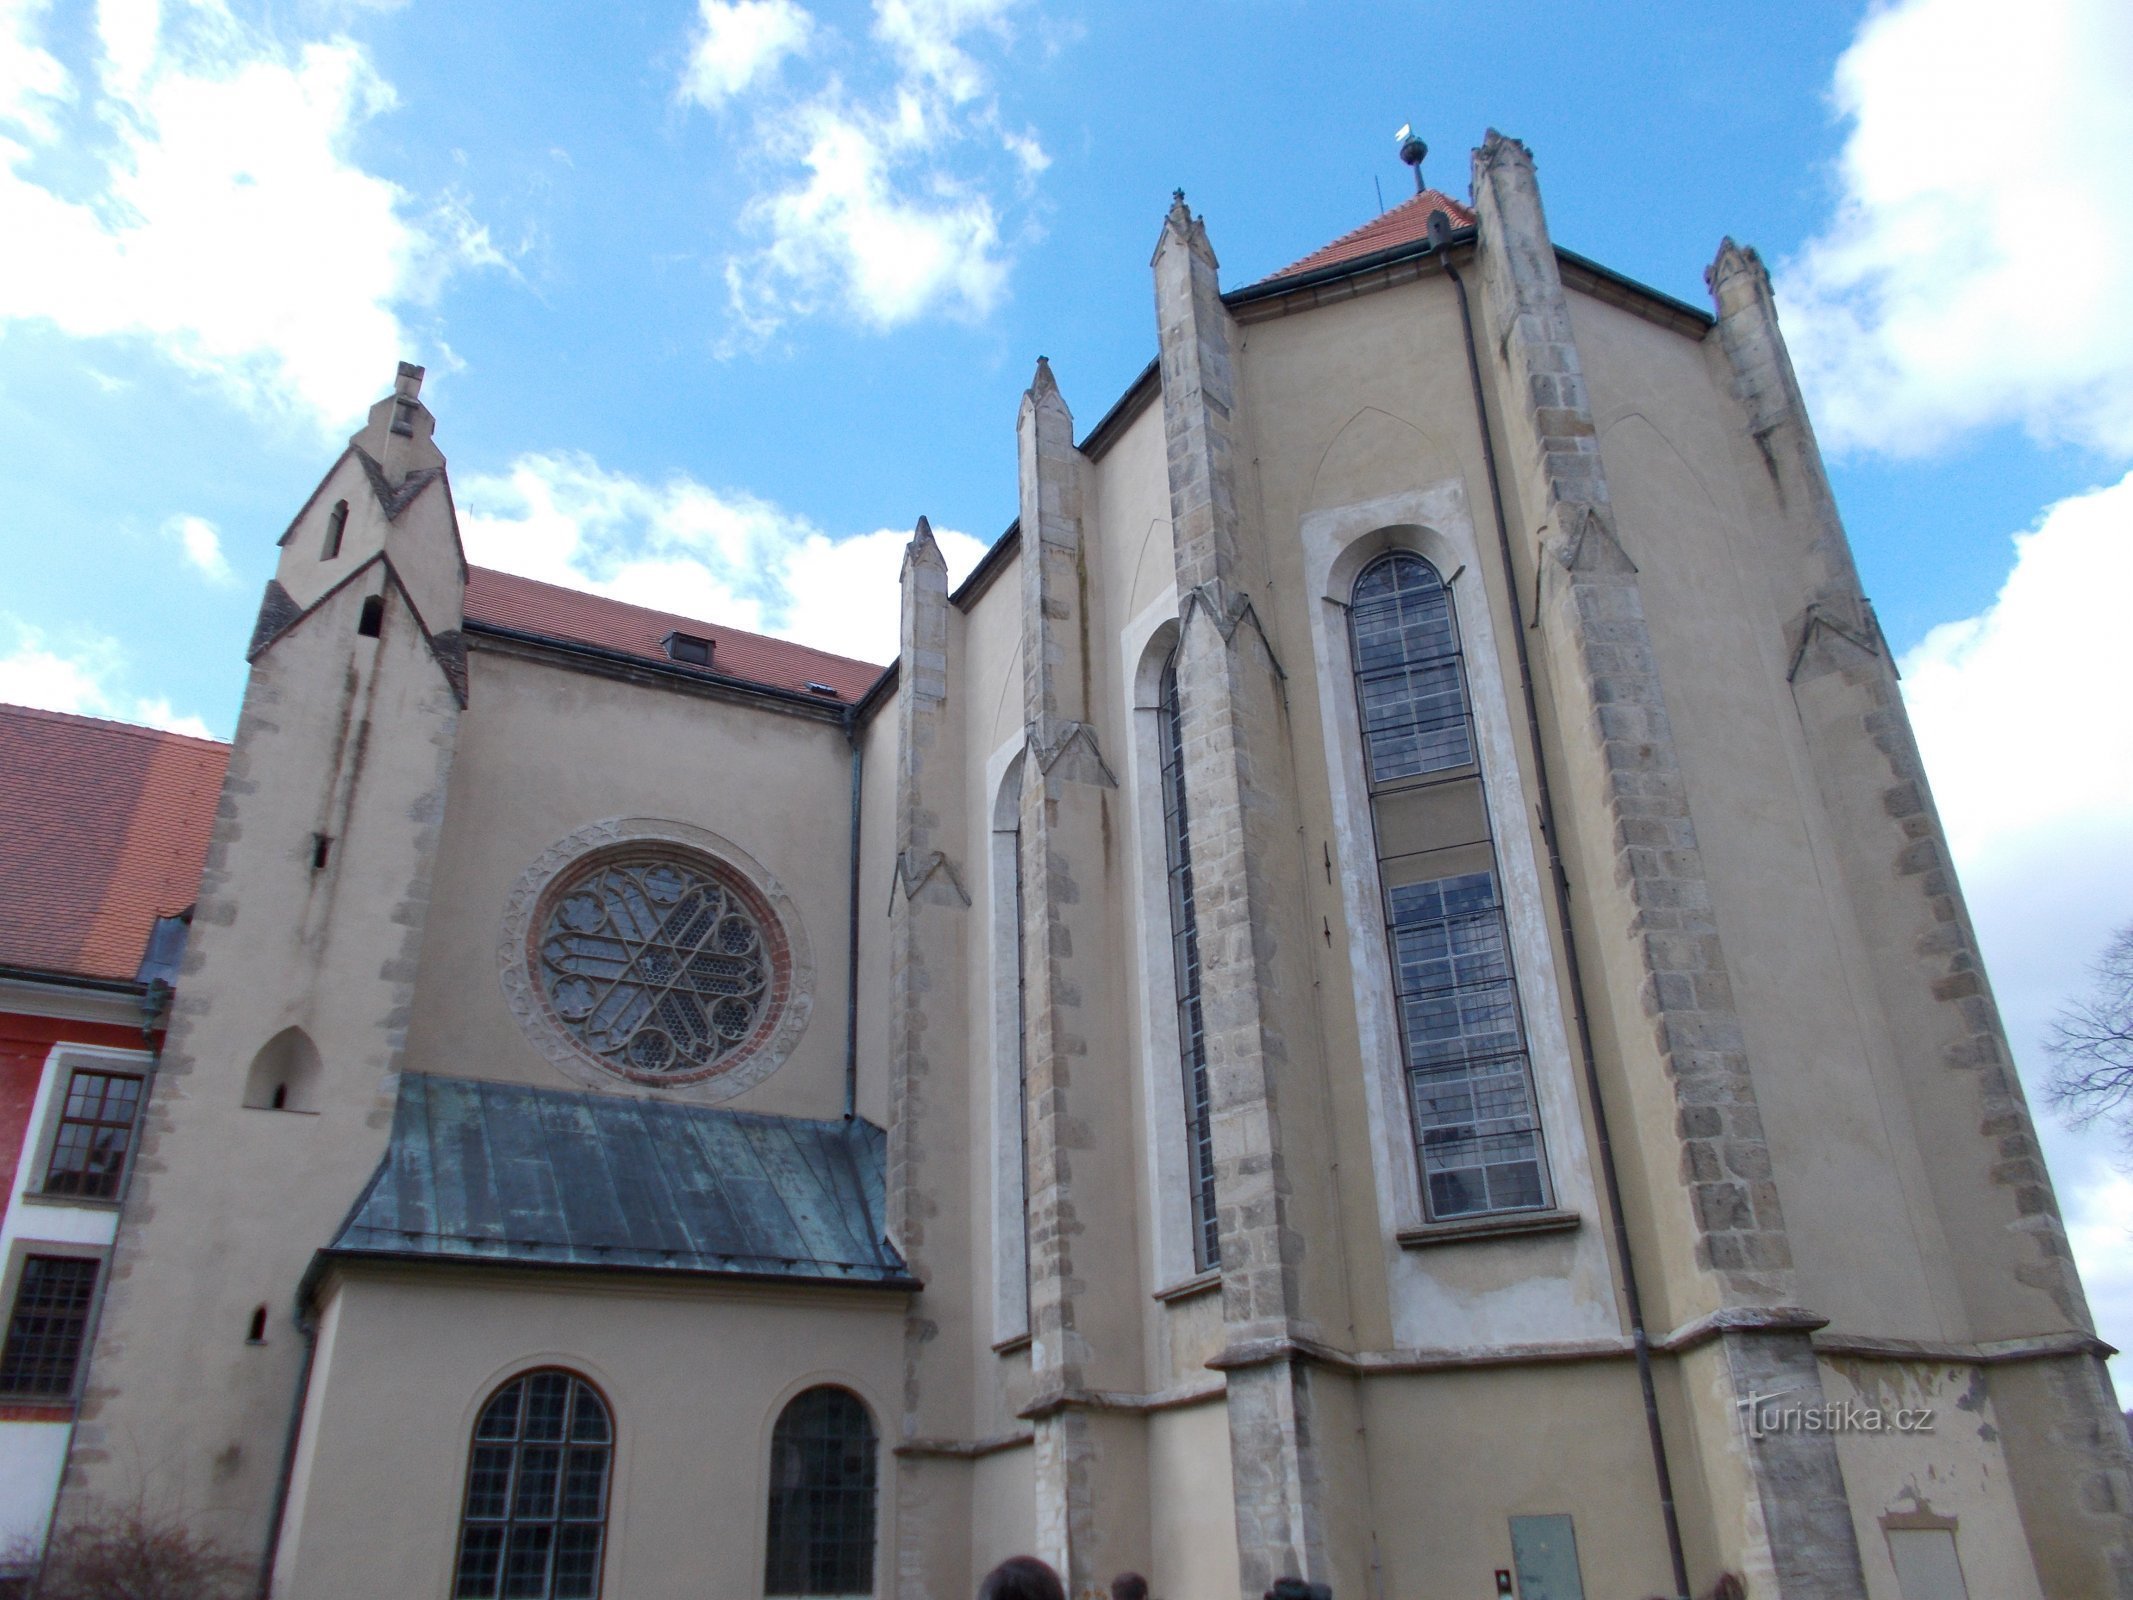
(2091, 1045)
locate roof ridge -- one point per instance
(1336, 250)
(597, 598)
(114, 724)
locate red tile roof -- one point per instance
(505, 600)
(103, 828)
(1403, 224)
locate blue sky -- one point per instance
(718, 295)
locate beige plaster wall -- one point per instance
(694, 1376)
(1953, 1468)
(544, 752)
(1455, 1455)
(1826, 1076)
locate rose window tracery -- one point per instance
(658, 967)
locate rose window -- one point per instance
(658, 967)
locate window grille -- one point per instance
(48, 1326)
(656, 967)
(1469, 1080)
(1466, 1058)
(536, 1503)
(95, 1133)
(1185, 965)
(822, 1465)
(1407, 670)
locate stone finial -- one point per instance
(1191, 231)
(407, 383)
(922, 548)
(1497, 149)
(1733, 263)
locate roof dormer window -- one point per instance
(689, 649)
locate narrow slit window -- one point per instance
(336, 525)
(1185, 968)
(372, 621)
(822, 1469)
(534, 1525)
(256, 1332)
(321, 850)
(1467, 1069)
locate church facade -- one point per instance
(1379, 994)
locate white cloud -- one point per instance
(33, 85)
(206, 199)
(1980, 267)
(196, 536)
(739, 42)
(2020, 715)
(885, 201)
(682, 547)
(82, 678)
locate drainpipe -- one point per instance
(307, 1324)
(851, 982)
(1439, 237)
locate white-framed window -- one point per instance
(93, 1133)
(51, 1304)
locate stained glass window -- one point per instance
(1185, 964)
(659, 967)
(1407, 670)
(1469, 1082)
(822, 1465)
(536, 1506)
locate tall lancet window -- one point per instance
(1185, 966)
(1469, 1084)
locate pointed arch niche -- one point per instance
(1567, 1273)
(285, 1074)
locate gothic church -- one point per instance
(1378, 995)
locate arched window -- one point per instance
(1185, 967)
(336, 525)
(1010, 1068)
(822, 1462)
(1470, 1087)
(536, 1510)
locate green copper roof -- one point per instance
(498, 1172)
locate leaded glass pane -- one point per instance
(822, 1490)
(1408, 677)
(536, 1508)
(656, 966)
(1469, 1084)
(1185, 965)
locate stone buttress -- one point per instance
(1719, 1257)
(1235, 743)
(2063, 1437)
(1077, 1105)
(301, 970)
(928, 922)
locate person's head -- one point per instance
(1021, 1578)
(1129, 1586)
(1297, 1589)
